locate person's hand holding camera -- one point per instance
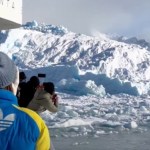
(55, 99)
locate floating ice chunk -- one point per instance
(133, 111)
(82, 129)
(72, 113)
(73, 86)
(119, 111)
(80, 143)
(75, 144)
(94, 112)
(131, 125)
(75, 129)
(66, 108)
(100, 132)
(111, 124)
(143, 108)
(73, 122)
(62, 115)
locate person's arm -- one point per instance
(40, 130)
(43, 98)
(43, 142)
(47, 102)
(55, 99)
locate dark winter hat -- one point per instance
(49, 87)
(8, 70)
(34, 80)
(22, 75)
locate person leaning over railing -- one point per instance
(45, 98)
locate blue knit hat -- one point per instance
(8, 70)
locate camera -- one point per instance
(41, 75)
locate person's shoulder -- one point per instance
(32, 114)
(46, 96)
(42, 93)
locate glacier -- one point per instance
(103, 84)
(120, 67)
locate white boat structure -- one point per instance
(10, 14)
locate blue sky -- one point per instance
(123, 17)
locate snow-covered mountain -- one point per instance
(98, 64)
(133, 40)
(90, 74)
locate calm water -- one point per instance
(121, 141)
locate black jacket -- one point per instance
(27, 92)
